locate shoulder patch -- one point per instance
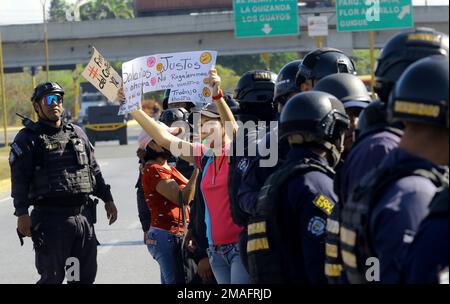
(243, 165)
(324, 204)
(16, 150)
(316, 226)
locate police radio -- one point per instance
(26, 122)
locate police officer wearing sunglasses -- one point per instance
(53, 169)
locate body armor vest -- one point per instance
(269, 261)
(333, 258)
(62, 166)
(355, 240)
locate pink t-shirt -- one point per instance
(220, 228)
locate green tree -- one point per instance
(57, 11)
(107, 9)
(362, 60)
(244, 63)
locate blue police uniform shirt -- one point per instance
(429, 253)
(397, 215)
(364, 157)
(254, 176)
(305, 221)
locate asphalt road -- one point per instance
(122, 256)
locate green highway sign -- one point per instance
(262, 18)
(368, 15)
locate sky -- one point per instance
(30, 11)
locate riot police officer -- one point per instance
(382, 215)
(53, 168)
(378, 137)
(352, 92)
(255, 174)
(427, 259)
(320, 63)
(287, 231)
(254, 94)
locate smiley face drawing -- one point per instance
(206, 92)
(159, 67)
(206, 58)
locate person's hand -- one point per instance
(111, 212)
(215, 81)
(145, 237)
(121, 96)
(189, 243)
(24, 225)
(204, 270)
(140, 153)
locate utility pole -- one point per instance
(45, 39)
(3, 93)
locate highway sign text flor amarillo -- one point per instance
(259, 18)
(368, 15)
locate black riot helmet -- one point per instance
(46, 88)
(169, 116)
(348, 88)
(287, 82)
(373, 118)
(402, 50)
(421, 93)
(255, 87)
(323, 62)
(254, 93)
(320, 116)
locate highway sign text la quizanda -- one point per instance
(259, 18)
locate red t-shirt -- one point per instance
(164, 213)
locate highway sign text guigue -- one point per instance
(367, 15)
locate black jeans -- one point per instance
(61, 235)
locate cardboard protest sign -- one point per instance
(101, 75)
(183, 73)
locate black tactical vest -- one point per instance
(333, 258)
(355, 241)
(268, 259)
(62, 166)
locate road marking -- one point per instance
(134, 226)
(106, 249)
(5, 199)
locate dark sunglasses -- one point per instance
(49, 99)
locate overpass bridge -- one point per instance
(71, 42)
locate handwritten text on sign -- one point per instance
(101, 75)
(183, 73)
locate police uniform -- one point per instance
(288, 229)
(254, 94)
(54, 170)
(384, 211)
(428, 255)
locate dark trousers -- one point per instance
(60, 236)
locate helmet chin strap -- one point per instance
(45, 118)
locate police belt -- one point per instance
(63, 203)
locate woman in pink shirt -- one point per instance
(217, 125)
